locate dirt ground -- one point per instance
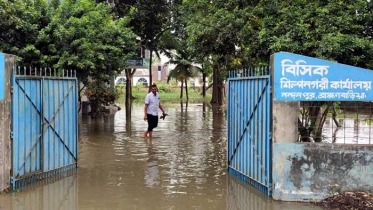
(350, 201)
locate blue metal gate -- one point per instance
(249, 127)
(44, 124)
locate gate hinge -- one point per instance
(11, 135)
(11, 90)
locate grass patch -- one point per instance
(171, 95)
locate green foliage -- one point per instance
(100, 94)
(184, 69)
(246, 33)
(163, 87)
(20, 23)
(79, 35)
(84, 36)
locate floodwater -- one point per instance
(183, 167)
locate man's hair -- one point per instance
(154, 85)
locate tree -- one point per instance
(20, 23)
(213, 31)
(150, 19)
(83, 36)
(183, 71)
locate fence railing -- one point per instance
(250, 72)
(43, 72)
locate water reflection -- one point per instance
(61, 194)
(151, 166)
(242, 196)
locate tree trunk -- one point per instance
(335, 117)
(181, 89)
(186, 89)
(150, 72)
(130, 81)
(204, 85)
(318, 134)
(128, 84)
(80, 98)
(217, 97)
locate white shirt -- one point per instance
(153, 102)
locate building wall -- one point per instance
(143, 73)
(6, 64)
(315, 171)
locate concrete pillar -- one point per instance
(285, 122)
(6, 63)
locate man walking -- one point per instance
(151, 110)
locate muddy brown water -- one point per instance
(183, 167)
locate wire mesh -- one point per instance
(336, 122)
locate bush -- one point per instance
(100, 95)
(163, 88)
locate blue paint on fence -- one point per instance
(2, 75)
(44, 125)
(302, 78)
(249, 128)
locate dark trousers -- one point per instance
(152, 122)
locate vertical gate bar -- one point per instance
(232, 122)
(256, 127)
(48, 139)
(37, 123)
(241, 149)
(76, 115)
(255, 136)
(250, 129)
(60, 146)
(235, 126)
(64, 124)
(244, 107)
(22, 142)
(228, 121)
(268, 139)
(252, 98)
(71, 114)
(260, 127)
(70, 107)
(76, 118)
(234, 115)
(56, 141)
(230, 136)
(264, 134)
(32, 126)
(42, 124)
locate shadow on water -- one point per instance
(182, 167)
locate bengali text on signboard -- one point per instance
(301, 78)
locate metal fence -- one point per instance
(249, 114)
(336, 122)
(44, 123)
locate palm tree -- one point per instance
(184, 70)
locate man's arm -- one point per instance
(145, 111)
(161, 108)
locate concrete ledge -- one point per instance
(314, 171)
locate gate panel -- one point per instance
(44, 125)
(26, 126)
(249, 130)
(60, 125)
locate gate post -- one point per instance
(6, 66)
